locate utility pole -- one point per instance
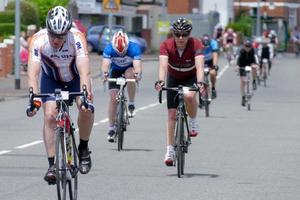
(17, 45)
(258, 19)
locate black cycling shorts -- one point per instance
(242, 71)
(172, 100)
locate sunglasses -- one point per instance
(181, 34)
(247, 46)
(55, 36)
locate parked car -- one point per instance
(98, 37)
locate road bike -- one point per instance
(263, 72)
(66, 153)
(248, 92)
(204, 101)
(122, 116)
(182, 136)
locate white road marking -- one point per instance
(4, 152)
(106, 119)
(29, 144)
(220, 74)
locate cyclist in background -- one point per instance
(246, 57)
(120, 57)
(181, 62)
(265, 51)
(230, 42)
(295, 36)
(59, 54)
(218, 35)
(211, 59)
(273, 41)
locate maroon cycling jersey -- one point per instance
(181, 67)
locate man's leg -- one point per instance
(112, 109)
(131, 89)
(213, 79)
(170, 155)
(85, 124)
(49, 139)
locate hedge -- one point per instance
(7, 16)
(29, 13)
(7, 29)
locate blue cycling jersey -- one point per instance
(121, 63)
(213, 47)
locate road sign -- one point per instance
(111, 5)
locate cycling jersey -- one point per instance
(121, 63)
(182, 66)
(246, 58)
(58, 64)
(208, 51)
(230, 38)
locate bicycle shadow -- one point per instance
(191, 175)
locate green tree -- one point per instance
(242, 24)
(45, 5)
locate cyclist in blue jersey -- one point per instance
(211, 49)
(120, 58)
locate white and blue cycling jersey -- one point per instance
(208, 51)
(121, 63)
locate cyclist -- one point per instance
(229, 42)
(295, 36)
(265, 51)
(218, 34)
(58, 53)
(120, 57)
(273, 41)
(246, 57)
(211, 59)
(181, 61)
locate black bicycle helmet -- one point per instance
(182, 25)
(205, 40)
(248, 43)
(58, 20)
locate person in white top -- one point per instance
(58, 58)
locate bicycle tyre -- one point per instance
(60, 164)
(179, 147)
(120, 126)
(73, 170)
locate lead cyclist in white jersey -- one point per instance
(58, 58)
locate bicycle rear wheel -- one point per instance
(179, 146)
(120, 125)
(61, 165)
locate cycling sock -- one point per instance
(192, 120)
(131, 103)
(83, 144)
(170, 148)
(213, 88)
(51, 161)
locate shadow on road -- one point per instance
(144, 150)
(191, 175)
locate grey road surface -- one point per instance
(239, 154)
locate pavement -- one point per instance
(8, 89)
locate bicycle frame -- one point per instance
(66, 153)
(122, 117)
(248, 95)
(182, 137)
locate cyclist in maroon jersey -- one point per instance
(181, 60)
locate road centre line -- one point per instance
(29, 144)
(220, 74)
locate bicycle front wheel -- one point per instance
(120, 125)
(179, 138)
(61, 165)
(72, 178)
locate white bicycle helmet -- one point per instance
(58, 20)
(120, 42)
